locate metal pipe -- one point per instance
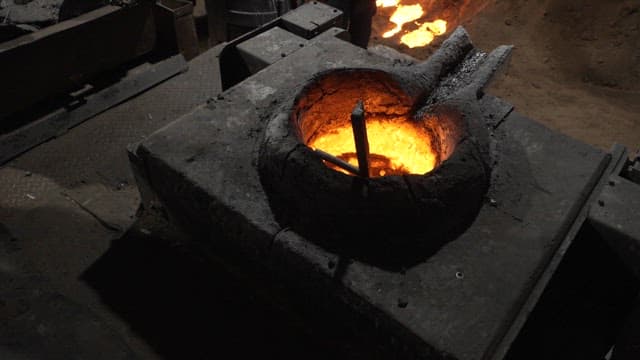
(359, 126)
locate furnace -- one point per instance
(428, 161)
(442, 262)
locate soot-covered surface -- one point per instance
(458, 303)
(387, 218)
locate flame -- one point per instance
(396, 147)
(386, 3)
(425, 34)
(404, 14)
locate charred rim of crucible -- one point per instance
(361, 122)
(394, 213)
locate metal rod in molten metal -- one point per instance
(337, 162)
(359, 127)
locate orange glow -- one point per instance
(387, 3)
(425, 34)
(396, 147)
(404, 14)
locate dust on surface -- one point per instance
(576, 64)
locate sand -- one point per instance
(576, 63)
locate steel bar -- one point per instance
(337, 162)
(360, 137)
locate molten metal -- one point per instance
(425, 34)
(404, 14)
(386, 3)
(396, 147)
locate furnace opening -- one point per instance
(399, 143)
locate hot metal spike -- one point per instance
(359, 126)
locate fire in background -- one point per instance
(408, 24)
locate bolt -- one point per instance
(459, 275)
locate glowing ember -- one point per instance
(404, 14)
(396, 147)
(387, 3)
(425, 34)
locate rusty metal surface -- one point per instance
(457, 304)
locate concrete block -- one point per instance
(269, 47)
(311, 19)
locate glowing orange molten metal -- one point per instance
(398, 143)
(386, 3)
(404, 14)
(425, 34)
(396, 147)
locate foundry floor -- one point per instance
(69, 227)
(64, 202)
(70, 231)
